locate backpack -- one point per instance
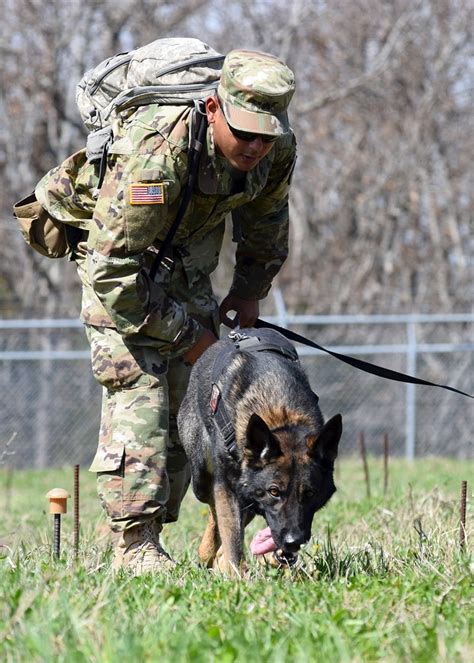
(171, 71)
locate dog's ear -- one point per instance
(323, 445)
(260, 445)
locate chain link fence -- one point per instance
(51, 403)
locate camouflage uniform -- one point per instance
(139, 330)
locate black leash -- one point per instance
(366, 366)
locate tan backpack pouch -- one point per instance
(41, 231)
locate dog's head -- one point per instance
(287, 475)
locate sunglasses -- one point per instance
(245, 135)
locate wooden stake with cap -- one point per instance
(57, 505)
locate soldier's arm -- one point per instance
(122, 229)
(261, 229)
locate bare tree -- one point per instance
(383, 121)
(381, 198)
(46, 48)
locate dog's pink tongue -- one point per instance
(262, 542)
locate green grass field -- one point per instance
(383, 579)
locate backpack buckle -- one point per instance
(168, 263)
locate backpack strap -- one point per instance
(197, 142)
(97, 149)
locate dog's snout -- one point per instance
(292, 541)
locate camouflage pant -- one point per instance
(142, 470)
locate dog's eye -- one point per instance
(274, 491)
(309, 493)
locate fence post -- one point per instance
(280, 307)
(410, 404)
(42, 438)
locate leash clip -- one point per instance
(237, 336)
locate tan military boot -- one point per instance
(139, 551)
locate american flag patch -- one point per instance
(147, 194)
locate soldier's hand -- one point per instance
(247, 311)
(192, 355)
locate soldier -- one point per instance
(145, 336)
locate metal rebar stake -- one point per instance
(462, 524)
(385, 463)
(57, 535)
(363, 453)
(76, 511)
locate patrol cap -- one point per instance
(255, 90)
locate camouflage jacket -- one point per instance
(136, 205)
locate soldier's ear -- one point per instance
(323, 445)
(261, 446)
(212, 108)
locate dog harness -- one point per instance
(248, 341)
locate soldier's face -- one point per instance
(240, 152)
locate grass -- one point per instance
(383, 579)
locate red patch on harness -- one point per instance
(215, 396)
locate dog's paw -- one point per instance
(206, 556)
(224, 566)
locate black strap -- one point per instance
(193, 164)
(226, 427)
(357, 363)
(103, 161)
(194, 154)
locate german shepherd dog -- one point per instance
(270, 454)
